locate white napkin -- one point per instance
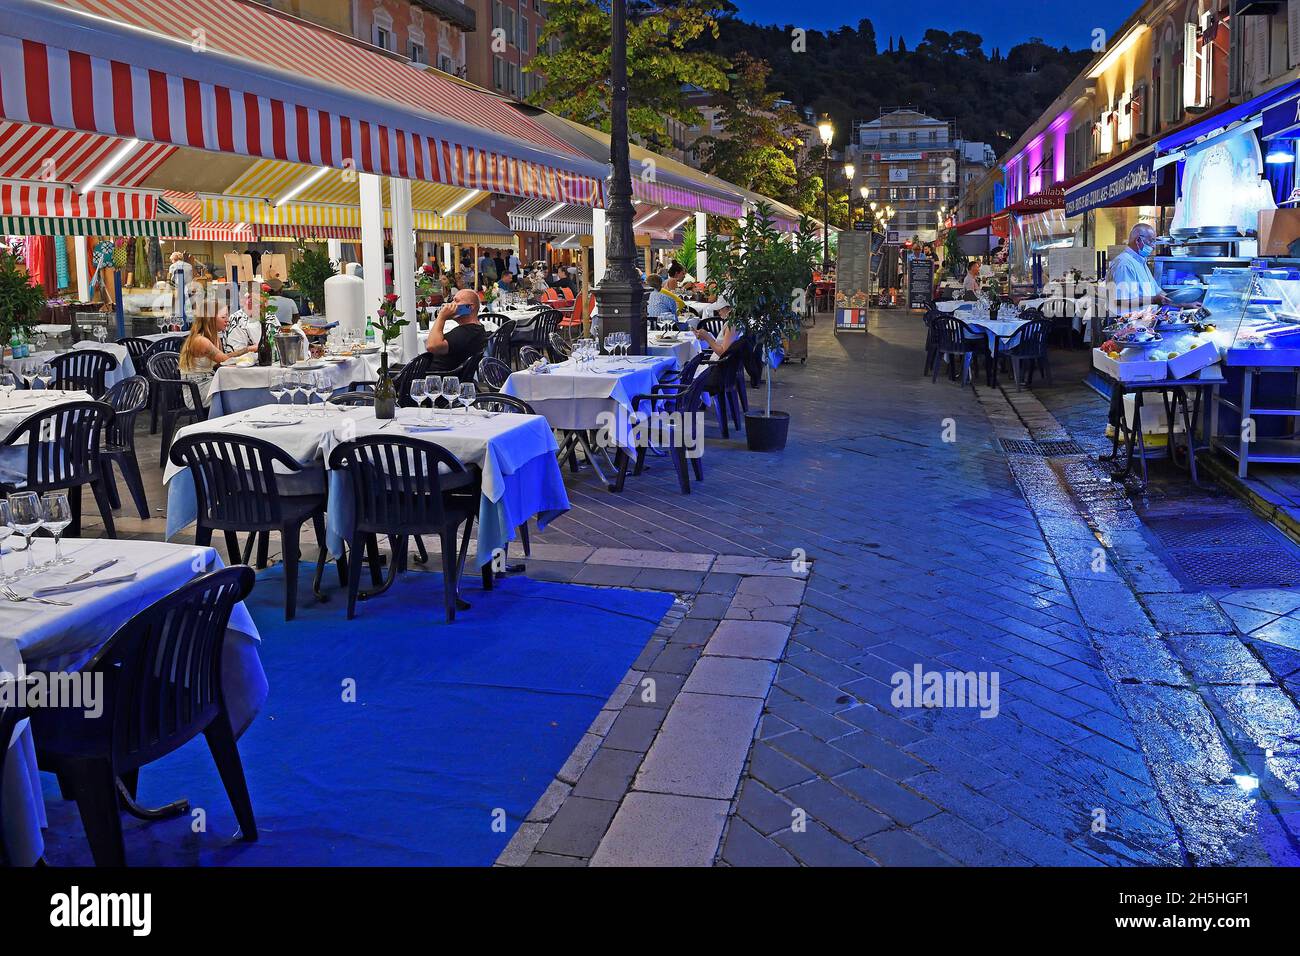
(82, 585)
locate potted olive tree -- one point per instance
(21, 301)
(764, 274)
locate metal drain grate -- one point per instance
(1043, 449)
(1228, 551)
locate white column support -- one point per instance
(598, 240)
(334, 249)
(81, 263)
(701, 256)
(404, 263)
(446, 257)
(372, 239)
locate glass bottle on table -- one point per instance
(57, 517)
(26, 514)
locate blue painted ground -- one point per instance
(450, 724)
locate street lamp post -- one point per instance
(826, 130)
(621, 294)
(848, 175)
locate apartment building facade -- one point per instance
(510, 35)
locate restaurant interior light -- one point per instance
(462, 202)
(1279, 155)
(114, 161)
(678, 224)
(644, 219)
(1246, 781)
(301, 186)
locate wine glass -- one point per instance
(27, 515)
(45, 375)
(611, 338)
(467, 395)
(295, 386)
(8, 382)
(324, 389)
(101, 333)
(6, 529)
(418, 395)
(57, 517)
(277, 386)
(451, 390)
(432, 388)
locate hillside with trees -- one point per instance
(851, 74)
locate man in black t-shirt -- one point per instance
(452, 349)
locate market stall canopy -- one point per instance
(972, 225)
(537, 215)
(255, 82)
(1133, 181)
(44, 209)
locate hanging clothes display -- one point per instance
(61, 261)
(143, 277)
(155, 258)
(40, 262)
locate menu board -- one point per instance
(920, 281)
(852, 281)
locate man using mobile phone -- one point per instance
(452, 349)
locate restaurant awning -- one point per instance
(44, 209)
(1227, 115)
(1134, 181)
(972, 225)
(1053, 197)
(268, 85)
(536, 215)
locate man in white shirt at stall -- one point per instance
(1129, 282)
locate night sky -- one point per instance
(1001, 23)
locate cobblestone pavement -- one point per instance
(1131, 716)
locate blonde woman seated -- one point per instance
(201, 354)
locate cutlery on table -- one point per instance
(95, 570)
(70, 588)
(15, 598)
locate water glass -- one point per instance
(418, 395)
(45, 375)
(27, 516)
(8, 382)
(432, 388)
(324, 389)
(57, 517)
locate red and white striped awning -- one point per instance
(39, 199)
(45, 154)
(234, 77)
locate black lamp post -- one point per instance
(621, 294)
(826, 130)
(848, 174)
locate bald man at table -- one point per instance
(453, 349)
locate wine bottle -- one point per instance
(265, 356)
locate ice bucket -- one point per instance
(291, 348)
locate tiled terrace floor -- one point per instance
(926, 554)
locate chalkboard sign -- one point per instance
(920, 281)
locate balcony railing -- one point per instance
(453, 12)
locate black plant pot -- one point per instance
(766, 434)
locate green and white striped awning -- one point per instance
(170, 224)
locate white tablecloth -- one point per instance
(588, 397)
(682, 347)
(125, 367)
(65, 638)
(521, 477)
(18, 405)
(238, 388)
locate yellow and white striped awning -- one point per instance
(261, 212)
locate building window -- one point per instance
(417, 53)
(383, 38)
(498, 73)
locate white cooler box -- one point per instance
(1130, 366)
(1193, 360)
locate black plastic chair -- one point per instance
(492, 374)
(418, 367)
(163, 686)
(83, 370)
(170, 345)
(958, 341)
(932, 319)
(544, 326)
(137, 348)
(559, 348)
(63, 453)
(403, 488)
(353, 399)
(500, 344)
(128, 399)
(723, 382)
(675, 405)
(713, 326)
(165, 376)
(530, 356)
(1028, 348)
(237, 488)
(506, 404)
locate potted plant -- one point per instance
(308, 272)
(388, 324)
(763, 273)
(21, 300)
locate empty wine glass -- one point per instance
(467, 395)
(277, 386)
(432, 387)
(8, 382)
(611, 340)
(295, 386)
(27, 515)
(57, 517)
(451, 390)
(324, 389)
(45, 375)
(6, 529)
(419, 393)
